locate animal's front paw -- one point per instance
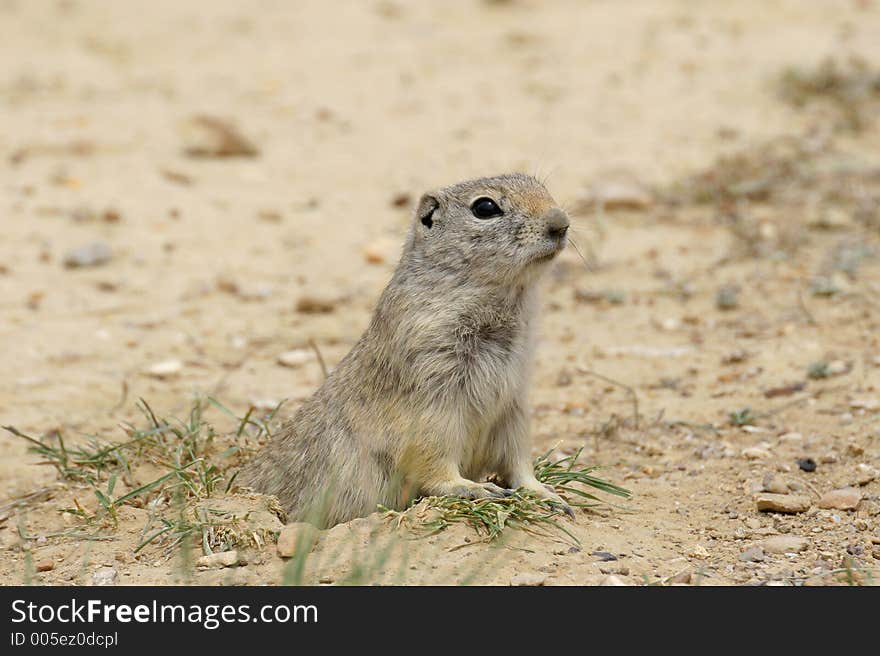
(548, 493)
(482, 491)
(471, 490)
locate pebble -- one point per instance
(727, 298)
(45, 565)
(865, 404)
(613, 580)
(775, 484)
(527, 579)
(165, 369)
(832, 218)
(295, 358)
(217, 560)
(865, 474)
(209, 136)
(682, 577)
(784, 503)
(104, 576)
(94, 254)
(619, 195)
(752, 555)
(782, 544)
(379, 250)
(315, 305)
(847, 498)
(791, 438)
(699, 551)
(265, 404)
(604, 556)
(291, 535)
(837, 367)
(755, 453)
(807, 464)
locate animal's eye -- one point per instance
(485, 208)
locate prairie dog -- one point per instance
(433, 397)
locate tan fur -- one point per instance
(432, 398)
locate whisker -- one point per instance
(591, 264)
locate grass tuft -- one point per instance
(179, 475)
(175, 469)
(522, 510)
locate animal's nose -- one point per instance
(557, 222)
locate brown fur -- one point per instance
(432, 398)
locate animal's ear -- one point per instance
(428, 204)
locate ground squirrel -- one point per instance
(432, 398)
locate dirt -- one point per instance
(734, 308)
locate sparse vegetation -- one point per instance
(743, 417)
(190, 463)
(851, 87)
(523, 510)
(195, 470)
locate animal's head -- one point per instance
(499, 230)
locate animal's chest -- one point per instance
(491, 362)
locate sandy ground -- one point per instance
(357, 110)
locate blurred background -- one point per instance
(196, 197)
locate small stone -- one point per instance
(791, 438)
(612, 580)
(683, 578)
(837, 367)
(752, 555)
(220, 559)
(735, 357)
(295, 358)
(618, 194)
(402, 199)
(45, 565)
(209, 136)
(165, 369)
(775, 484)
(847, 498)
(90, 255)
(83, 214)
(727, 298)
(699, 551)
(563, 379)
(784, 503)
(807, 464)
(104, 576)
(832, 218)
(782, 544)
(869, 405)
(604, 556)
(270, 216)
(315, 305)
(853, 449)
(865, 474)
(527, 579)
(755, 453)
(265, 404)
(293, 536)
(379, 250)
